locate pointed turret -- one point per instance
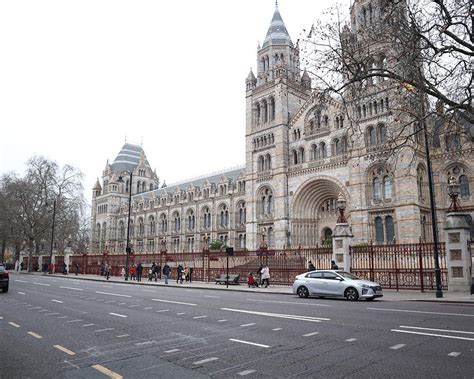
(251, 81)
(97, 189)
(306, 80)
(277, 33)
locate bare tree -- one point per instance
(431, 46)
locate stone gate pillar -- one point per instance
(341, 241)
(458, 257)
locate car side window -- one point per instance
(315, 275)
(330, 276)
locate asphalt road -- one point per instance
(62, 327)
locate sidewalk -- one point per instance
(389, 295)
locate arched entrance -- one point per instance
(314, 211)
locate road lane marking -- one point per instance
(1, 317)
(110, 301)
(351, 340)
(163, 310)
(52, 313)
(288, 302)
(13, 324)
(174, 302)
(121, 303)
(147, 308)
(43, 310)
(248, 343)
(103, 330)
(134, 305)
(112, 294)
(454, 354)
(436, 330)
(144, 343)
(148, 291)
(432, 335)
(276, 329)
(35, 308)
(180, 313)
(64, 350)
(199, 317)
(71, 288)
(21, 281)
(205, 360)
(249, 324)
(42, 284)
(86, 325)
(21, 293)
(310, 334)
(212, 297)
(106, 371)
(279, 315)
(57, 301)
(423, 312)
(171, 351)
(62, 317)
(117, 314)
(34, 335)
(223, 320)
(74, 320)
(123, 335)
(396, 347)
(246, 372)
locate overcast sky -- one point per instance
(77, 78)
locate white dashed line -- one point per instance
(52, 313)
(123, 335)
(144, 343)
(21, 293)
(86, 325)
(57, 301)
(248, 343)
(134, 305)
(199, 317)
(279, 315)
(110, 301)
(174, 302)
(21, 281)
(162, 310)
(34, 335)
(42, 284)
(423, 312)
(250, 324)
(288, 302)
(147, 308)
(117, 314)
(396, 347)
(246, 372)
(212, 297)
(120, 303)
(62, 317)
(351, 340)
(276, 329)
(14, 325)
(205, 360)
(171, 351)
(436, 330)
(112, 294)
(310, 334)
(103, 330)
(223, 320)
(180, 313)
(72, 288)
(432, 335)
(1, 317)
(454, 354)
(64, 350)
(43, 310)
(73, 320)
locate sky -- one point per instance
(79, 78)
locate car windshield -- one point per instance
(2, 269)
(347, 275)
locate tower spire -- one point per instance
(276, 4)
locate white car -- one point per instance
(335, 283)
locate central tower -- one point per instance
(272, 98)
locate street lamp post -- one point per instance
(341, 206)
(128, 249)
(453, 192)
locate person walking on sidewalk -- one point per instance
(179, 275)
(265, 276)
(311, 266)
(166, 272)
(334, 266)
(139, 272)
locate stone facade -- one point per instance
(303, 148)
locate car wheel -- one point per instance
(370, 298)
(351, 294)
(302, 291)
(5, 289)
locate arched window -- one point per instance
(294, 154)
(464, 183)
(260, 163)
(242, 213)
(314, 152)
(206, 218)
(376, 189)
(266, 205)
(272, 109)
(141, 227)
(132, 229)
(265, 111)
(387, 187)
(337, 146)
(379, 229)
(177, 222)
(258, 114)
(152, 227)
(301, 155)
(383, 134)
(121, 230)
(372, 136)
(163, 223)
(322, 150)
(268, 162)
(389, 229)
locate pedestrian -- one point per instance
(259, 274)
(21, 266)
(78, 269)
(265, 276)
(139, 272)
(179, 276)
(150, 274)
(102, 270)
(251, 280)
(191, 272)
(311, 266)
(133, 272)
(334, 266)
(166, 272)
(45, 268)
(107, 270)
(186, 274)
(122, 273)
(157, 272)
(64, 268)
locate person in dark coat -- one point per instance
(311, 266)
(179, 276)
(139, 272)
(166, 272)
(334, 266)
(259, 274)
(78, 269)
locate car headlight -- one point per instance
(365, 286)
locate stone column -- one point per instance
(341, 241)
(458, 257)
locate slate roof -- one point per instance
(128, 158)
(277, 33)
